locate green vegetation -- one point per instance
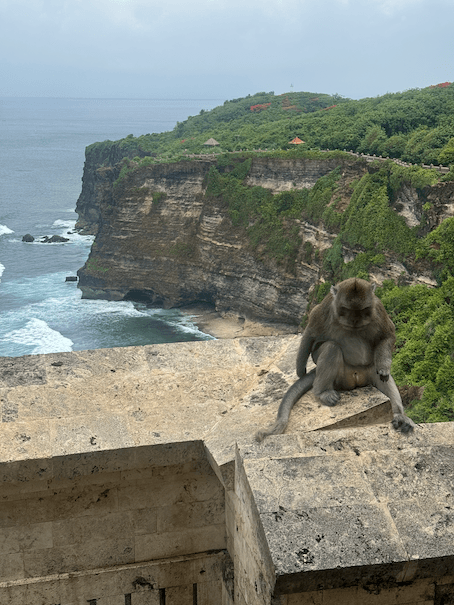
(94, 267)
(181, 250)
(158, 196)
(424, 356)
(416, 126)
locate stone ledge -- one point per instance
(354, 506)
(85, 405)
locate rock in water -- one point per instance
(55, 239)
(28, 238)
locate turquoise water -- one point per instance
(42, 145)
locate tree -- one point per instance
(446, 156)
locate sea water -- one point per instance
(42, 145)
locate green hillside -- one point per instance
(416, 126)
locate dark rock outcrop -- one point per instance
(55, 239)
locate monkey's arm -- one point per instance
(295, 392)
(401, 421)
(383, 355)
(306, 344)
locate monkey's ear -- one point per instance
(334, 290)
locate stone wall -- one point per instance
(147, 525)
(131, 477)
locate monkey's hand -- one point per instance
(402, 423)
(384, 374)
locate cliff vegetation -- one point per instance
(416, 126)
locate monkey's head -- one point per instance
(353, 303)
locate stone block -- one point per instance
(87, 500)
(169, 544)
(302, 483)
(186, 515)
(209, 593)
(422, 473)
(421, 591)
(20, 538)
(142, 598)
(25, 441)
(19, 512)
(180, 595)
(162, 396)
(150, 494)
(92, 529)
(12, 566)
(92, 463)
(78, 557)
(144, 521)
(90, 432)
(111, 600)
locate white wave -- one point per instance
(182, 323)
(64, 224)
(67, 227)
(120, 308)
(38, 334)
(2, 268)
(4, 230)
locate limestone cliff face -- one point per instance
(102, 167)
(160, 239)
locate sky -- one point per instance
(222, 49)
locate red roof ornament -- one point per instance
(296, 141)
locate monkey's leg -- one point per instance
(330, 365)
(295, 392)
(400, 422)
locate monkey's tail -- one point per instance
(295, 392)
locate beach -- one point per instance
(232, 325)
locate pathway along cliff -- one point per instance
(167, 234)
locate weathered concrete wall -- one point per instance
(357, 515)
(129, 477)
(106, 528)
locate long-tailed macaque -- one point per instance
(351, 338)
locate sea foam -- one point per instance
(38, 334)
(4, 230)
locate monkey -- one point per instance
(351, 338)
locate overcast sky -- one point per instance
(222, 49)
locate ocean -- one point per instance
(42, 146)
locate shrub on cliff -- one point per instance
(424, 355)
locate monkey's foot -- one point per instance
(402, 423)
(384, 375)
(329, 398)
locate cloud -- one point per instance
(348, 46)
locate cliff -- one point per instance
(161, 238)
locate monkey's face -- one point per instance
(353, 303)
(354, 318)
